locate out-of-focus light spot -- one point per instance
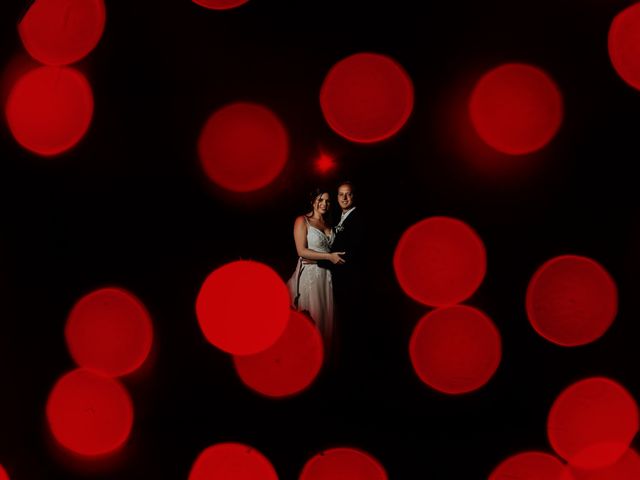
(49, 109)
(232, 461)
(571, 300)
(624, 45)
(516, 108)
(243, 147)
(109, 330)
(3, 473)
(530, 466)
(220, 4)
(439, 261)
(60, 32)
(325, 163)
(367, 97)
(592, 423)
(627, 468)
(89, 414)
(243, 307)
(343, 463)
(287, 367)
(455, 349)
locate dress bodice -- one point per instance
(318, 240)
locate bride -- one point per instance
(310, 286)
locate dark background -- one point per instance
(129, 206)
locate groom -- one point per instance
(348, 239)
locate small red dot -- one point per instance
(592, 423)
(243, 307)
(624, 45)
(232, 461)
(89, 414)
(439, 261)
(530, 466)
(243, 147)
(60, 32)
(109, 330)
(516, 108)
(455, 349)
(343, 463)
(49, 109)
(325, 163)
(220, 4)
(287, 367)
(367, 97)
(571, 300)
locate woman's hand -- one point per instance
(336, 259)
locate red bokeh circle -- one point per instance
(343, 463)
(530, 466)
(232, 461)
(440, 261)
(592, 423)
(49, 109)
(89, 414)
(3, 473)
(516, 108)
(110, 331)
(243, 147)
(624, 45)
(367, 97)
(220, 4)
(243, 307)
(626, 468)
(60, 32)
(455, 349)
(571, 300)
(287, 367)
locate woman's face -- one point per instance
(321, 204)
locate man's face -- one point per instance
(345, 197)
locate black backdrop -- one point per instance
(130, 206)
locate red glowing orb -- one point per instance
(232, 461)
(530, 466)
(220, 4)
(243, 307)
(89, 414)
(287, 367)
(624, 45)
(60, 32)
(243, 147)
(49, 109)
(627, 468)
(343, 463)
(592, 423)
(455, 349)
(109, 330)
(440, 261)
(571, 300)
(3, 474)
(516, 108)
(325, 163)
(366, 97)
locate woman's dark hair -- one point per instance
(314, 194)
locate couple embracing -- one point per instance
(328, 260)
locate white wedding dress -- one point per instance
(311, 287)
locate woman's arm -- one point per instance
(300, 237)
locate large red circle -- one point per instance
(455, 349)
(60, 32)
(243, 147)
(530, 466)
(3, 474)
(243, 307)
(89, 414)
(287, 367)
(592, 423)
(232, 461)
(220, 4)
(516, 108)
(627, 468)
(343, 463)
(49, 109)
(109, 330)
(440, 261)
(571, 300)
(624, 45)
(366, 97)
